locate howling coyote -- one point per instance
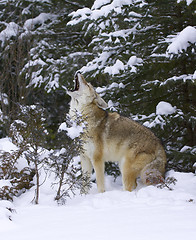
(111, 137)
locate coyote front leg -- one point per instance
(98, 165)
(86, 170)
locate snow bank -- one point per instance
(147, 213)
(6, 209)
(182, 40)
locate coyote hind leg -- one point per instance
(129, 175)
(133, 168)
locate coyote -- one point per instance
(111, 137)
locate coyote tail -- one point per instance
(154, 172)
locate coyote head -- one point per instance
(84, 94)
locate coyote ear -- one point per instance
(100, 102)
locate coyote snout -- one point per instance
(111, 137)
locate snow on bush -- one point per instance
(7, 145)
(11, 30)
(42, 18)
(188, 2)
(165, 108)
(194, 75)
(120, 66)
(73, 131)
(182, 40)
(99, 9)
(116, 68)
(162, 109)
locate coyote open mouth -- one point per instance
(76, 83)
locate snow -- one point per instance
(182, 40)
(194, 75)
(100, 62)
(12, 29)
(7, 145)
(164, 108)
(147, 213)
(115, 69)
(99, 3)
(99, 9)
(43, 17)
(188, 2)
(104, 61)
(120, 66)
(185, 148)
(4, 98)
(74, 131)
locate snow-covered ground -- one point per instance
(146, 213)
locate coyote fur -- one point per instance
(111, 137)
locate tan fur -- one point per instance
(111, 137)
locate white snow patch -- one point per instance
(74, 131)
(12, 29)
(40, 19)
(164, 108)
(120, 66)
(185, 148)
(115, 69)
(5, 214)
(100, 8)
(4, 98)
(99, 3)
(188, 2)
(133, 60)
(7, 145)
(182, 40)
(194, 75)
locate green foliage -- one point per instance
(166, 184)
